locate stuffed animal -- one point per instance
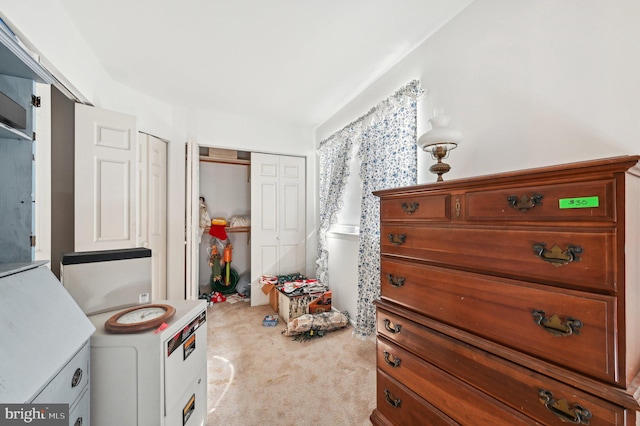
(215, 261)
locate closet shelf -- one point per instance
(232, 229)
(239, 161)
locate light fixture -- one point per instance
(439, 141)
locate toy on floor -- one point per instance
(310, 326)
(218, 297)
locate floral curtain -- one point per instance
(334, 161)
(388, 156)
(386, 136)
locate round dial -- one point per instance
(139, 318)
(141, 315)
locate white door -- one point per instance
(192, 218)
(152, 210)
(105, 179)
(277, 218)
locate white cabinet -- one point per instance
(151, 378)
(45, 341)
(18, 72)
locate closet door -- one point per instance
(152, 208)
(105, 179)
(292, 234)
(278, 226)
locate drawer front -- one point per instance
(548, 203)
(433, 208)
(544, 322)
(564, 258)
(459, 401)
(534, 395)
(69, 383)
(79, 413)
(184, 361)
(401, 406)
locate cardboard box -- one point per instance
(273, 299)
(270, 289)
(291, 307)
(230, 154)
(321, 304)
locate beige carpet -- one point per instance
(257, 376)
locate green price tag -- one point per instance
(579, 203)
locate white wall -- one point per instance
(45, 25)
(529, 83)
(343, 272)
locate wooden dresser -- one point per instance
(512, 299)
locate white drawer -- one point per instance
(69, 383)
(190, 408)
(187, 358)
(79, 413)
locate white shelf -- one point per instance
(222, 160)
(7, 132)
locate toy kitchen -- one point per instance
(148, 357)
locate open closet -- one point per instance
(269, 190)
(226, 193)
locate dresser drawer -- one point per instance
(459, 401)
(543, 203)
(526, 391)
(69, 383)
(542, 321)
(571, 258)
(79, 414)
(432, 208)
(395, 401)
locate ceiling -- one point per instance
(292, 61)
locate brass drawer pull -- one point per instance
(555, 326)
(395, 281)
(576, 414)
(394, 402)
(409, 208)
(397, 239)
(525, 203)
(387, 325)
(395, 362)
(556, 256)
(77, 377)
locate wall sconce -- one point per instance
(439, 142)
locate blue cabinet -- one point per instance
(19, 71)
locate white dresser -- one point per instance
(156, 377)
(44, 356)
(149, 378)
